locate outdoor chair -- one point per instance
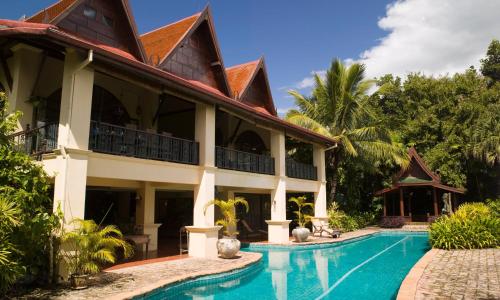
(319, 226)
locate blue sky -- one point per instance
(298, 37)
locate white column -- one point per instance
(278, 231)
(24, 71)
(320, 195)
(203, 234)
(76, 102)
(145, 214)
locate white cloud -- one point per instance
(308, 82)
(283, 110)
(434, 37)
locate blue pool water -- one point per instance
(368, 268)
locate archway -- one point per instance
(250, 141)
(105, 108)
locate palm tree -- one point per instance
(339, 109)
(90, 246)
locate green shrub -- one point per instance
(472, 226)
(339, 219)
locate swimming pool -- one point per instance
(372, 267)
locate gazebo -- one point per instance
(417, 193)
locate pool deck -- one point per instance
(455, 274)
(136, 279)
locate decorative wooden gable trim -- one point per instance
(110, 23)
(250, 85)
(417, 162)
(189, 49)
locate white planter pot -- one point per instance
(301, 234)
(228, 247)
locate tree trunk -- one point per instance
(333, 162)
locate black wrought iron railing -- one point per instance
(243, 161)
(113, 139)
(300, 170)
(36, 141)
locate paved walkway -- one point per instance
(461, 274)
(129, 282)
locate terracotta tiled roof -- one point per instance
(160, 42)
(239, 76)
(47, 15)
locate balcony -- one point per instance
(36, 141)
(117, 140)
(243, 161)
(300, 170)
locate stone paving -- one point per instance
(461, 274)
(128, 282)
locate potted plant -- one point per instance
(228, 246)
(301, 233)
(88, 247)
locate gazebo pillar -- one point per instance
(385, 205)
(435, 201)
(401, 203)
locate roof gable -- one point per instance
(250, 85)
(112, 23)
(189, 49)
(418, 171)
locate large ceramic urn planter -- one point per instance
(79, 282)
(228, 247)
(301, 234)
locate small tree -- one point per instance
(10, 270)
(302, 218)
(228, 211)
(490, 65)
(89, 246)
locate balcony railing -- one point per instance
(36, 141)
(112, 139)
(300, 170)
(243, 161)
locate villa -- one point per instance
(143, 130)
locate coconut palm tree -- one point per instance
(338, 108)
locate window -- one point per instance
(107, 21)
(89, 12)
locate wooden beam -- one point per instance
(401, 203)
(435, 201)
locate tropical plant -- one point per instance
(88, 246)
(339, 108)
(24, 183)
(302, 217)
(472, 226)
(228, 211)
(10, 270)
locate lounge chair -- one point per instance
(249, 232)
(320, 226)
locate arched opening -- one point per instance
(105, 108)
(250, 141)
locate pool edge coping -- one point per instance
(181, 278)
(408, 288)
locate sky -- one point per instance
(298, 38)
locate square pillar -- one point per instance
(320, 209)
(401, 203)
(145, 214)
(24, 71)
(203, 235)
(76, 102)
(435, 201)
(278, 226)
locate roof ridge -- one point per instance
(244, 64)
(170, 24)
(45, 9)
